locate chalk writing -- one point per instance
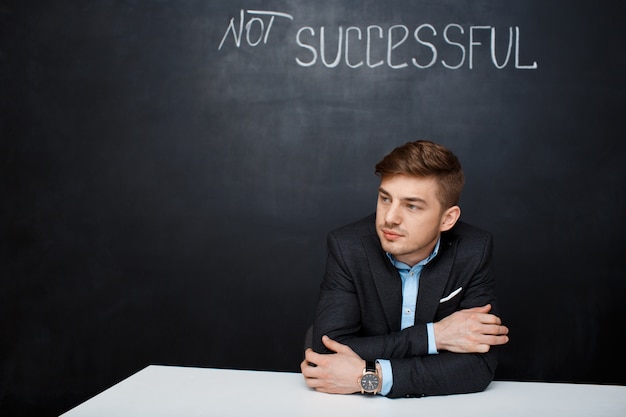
(264, 32)
(452, 46)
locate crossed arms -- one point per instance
(471, 331)
(345, 336)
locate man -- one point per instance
(407, 301)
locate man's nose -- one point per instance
(392, 216)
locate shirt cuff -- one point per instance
(432, 344)
(385, 367)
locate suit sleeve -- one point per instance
(443, 374)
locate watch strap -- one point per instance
(369, 371)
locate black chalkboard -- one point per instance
(170, 169)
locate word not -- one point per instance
(263, 32)
(373, 37)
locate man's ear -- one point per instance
(449, 218)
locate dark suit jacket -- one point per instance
(361, 299)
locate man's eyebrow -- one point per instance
(381, 190)
(415, 200)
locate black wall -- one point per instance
(166, 200)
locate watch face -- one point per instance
(369, 382)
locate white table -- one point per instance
(186, 392)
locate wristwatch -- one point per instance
(369, 381)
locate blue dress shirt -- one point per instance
(410, 283)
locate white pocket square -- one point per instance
(452, 294)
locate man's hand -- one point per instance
(472, 330)
(335, 373)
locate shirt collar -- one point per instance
(402, 265)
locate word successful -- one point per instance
(397, 47)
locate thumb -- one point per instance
(334, 345)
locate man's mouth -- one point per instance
(391, 234)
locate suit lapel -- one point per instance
(388, 284)
(386, 280)
(434, 278)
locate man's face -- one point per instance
(409, 217)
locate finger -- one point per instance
(308, 370)
(490, 319)
(490, 330)
(316, 384)
(311, 381)
(496, 329)
(482, 309)
(311, 356)
(495, 340)
(304, 365)
(336, 346)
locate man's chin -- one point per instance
(390, 247)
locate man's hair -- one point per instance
(427, 159)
